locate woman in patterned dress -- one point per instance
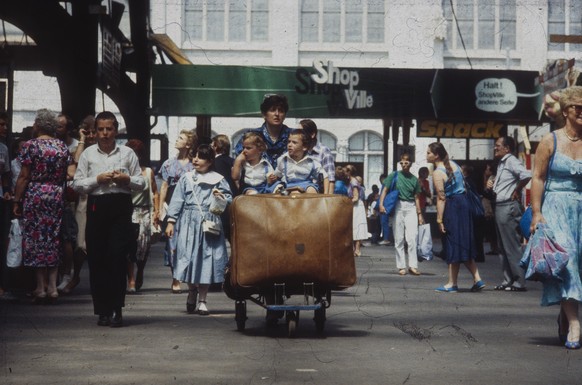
(38, 199)
(562, 210)
(171, 171)
(145, 214)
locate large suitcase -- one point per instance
(292, 240)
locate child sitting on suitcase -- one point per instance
(259, 177)
(296, 168)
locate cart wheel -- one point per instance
(292, 321)
(319, 318)
(240, 315)
(272, 318)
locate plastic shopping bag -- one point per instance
(544, 259)
(424, 243)
(14, 255)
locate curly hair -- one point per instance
(570, 96)
(274, 100)
(46, 122)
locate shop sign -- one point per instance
(459, 130)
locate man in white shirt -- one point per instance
(108, 173)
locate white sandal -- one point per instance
(201, 309)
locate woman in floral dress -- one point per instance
(38, 199)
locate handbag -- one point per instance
(217, 204)
(475, 204)
(527, 216)
(391, 197)
(543, 259)
(424, 243)
(14, 255)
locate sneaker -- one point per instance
(279, 189)
(384, 243)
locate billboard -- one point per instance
(326, 90)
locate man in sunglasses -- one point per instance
(407, 215)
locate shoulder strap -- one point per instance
(548, 172)
(192, 184)
(553, 151)
(394, 179)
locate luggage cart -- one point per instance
(288, 253)
(313, 299)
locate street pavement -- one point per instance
(387, 329)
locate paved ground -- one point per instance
(387, 329)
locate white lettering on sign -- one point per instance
(497, 95)
(343, 77)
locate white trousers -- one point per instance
(405, 227)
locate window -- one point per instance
(328, 140)
(227, 20)
(474, 24)
(367, 147)
(342, 21)
(564, 18)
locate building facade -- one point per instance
(416, 34)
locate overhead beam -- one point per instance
(573, 39)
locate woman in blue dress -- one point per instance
(170, 172)
(454, 218)
(200, 257)
(562, 210)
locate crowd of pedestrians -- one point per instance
(81, 195)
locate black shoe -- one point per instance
(191, 301)
(117, 319)
(104, 320)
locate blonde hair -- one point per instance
(569, 96)
(256, 140)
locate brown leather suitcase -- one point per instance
(291, 240)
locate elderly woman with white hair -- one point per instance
(38, 199)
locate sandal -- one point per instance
(202, 309)
(513, 288)
(501, 287)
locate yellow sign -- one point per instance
(477, 130)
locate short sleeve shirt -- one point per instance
(407, 185)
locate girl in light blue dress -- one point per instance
(562, 210)
(200, 257)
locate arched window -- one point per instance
(366, 147)
(328, 140)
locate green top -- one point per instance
(407, 185)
